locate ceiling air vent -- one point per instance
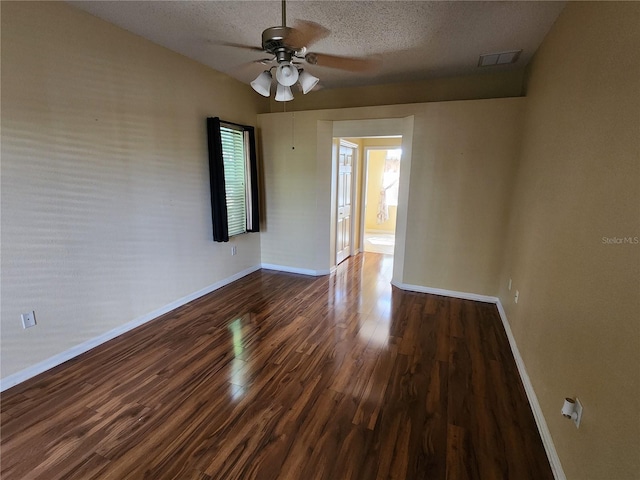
(500, 58)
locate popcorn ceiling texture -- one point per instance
(416, 40)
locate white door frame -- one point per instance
(354, 177)
(381, 127)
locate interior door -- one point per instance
(347, 155)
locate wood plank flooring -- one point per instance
(281, 376)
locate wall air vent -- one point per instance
(500, 58)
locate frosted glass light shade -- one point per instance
(307, 81)
(283, 93)
(286, 74)
(262, 83)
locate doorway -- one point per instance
(380, 196)
(366, 194)
(360, 130)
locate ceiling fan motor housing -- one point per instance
(273, 41)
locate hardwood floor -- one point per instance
(289, 377)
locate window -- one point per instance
(234, 159)
(233, 176)
(391, 176)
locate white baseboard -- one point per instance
(60, 358)
(545, 435)
(445, 293)
(301, 271)
(547, 441)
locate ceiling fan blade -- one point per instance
(352, 64)
(305, 33)
(240, 45)
(249, 69)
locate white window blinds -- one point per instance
(234, 155)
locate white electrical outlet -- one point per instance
(578, 413)
(28, 319)
(517, 295)
(233, 250)
(509, 284)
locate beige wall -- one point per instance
(105, 197)
(577, 321)
(105, 187)
(462, 162)
(470, 87)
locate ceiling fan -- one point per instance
(288, 49)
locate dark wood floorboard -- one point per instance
(281, 376)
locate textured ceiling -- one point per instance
(415, 40)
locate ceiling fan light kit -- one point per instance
(262, 83)
(283, 93)
(307, 81)
(286, 74)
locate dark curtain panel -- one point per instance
(255, 206)
(216, 177)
